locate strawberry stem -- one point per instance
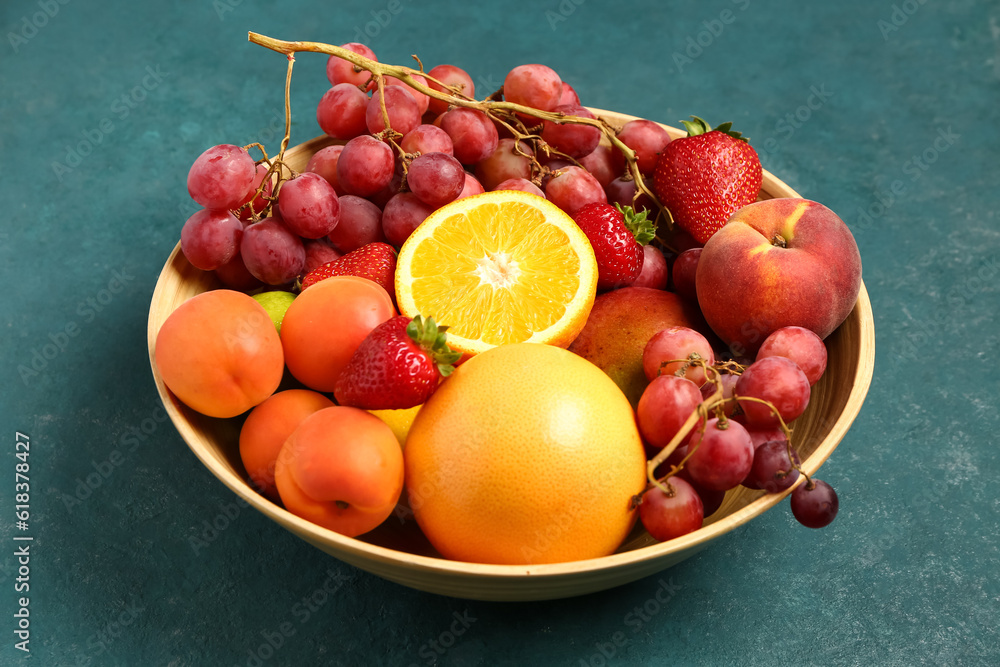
(433, 340)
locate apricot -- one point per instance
(268, 426)
(325, 324)
(219, 353)
(342, 469)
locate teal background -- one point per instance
(906, 575)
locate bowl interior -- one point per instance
(398, 551)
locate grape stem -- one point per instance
(493, 107)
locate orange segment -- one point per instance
(499, 267)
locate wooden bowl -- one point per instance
(398, 552)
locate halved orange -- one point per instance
(499, 267)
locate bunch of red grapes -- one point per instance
(379, 184)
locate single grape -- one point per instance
(573, 139)
(339, 70)
(435, 178)
(683, 272)
(421, 99)
(309, 205)
(676, 343)
(568, 95)
(472, 133)
(221, 177)
(365, 166)
(728, 382)
(664, 406)
(401, 215)
(762, 435)
(360, 224)
(427, 138)
(815, 504)
(668, 516)
(509, 160)
(598, 162)
(324, 162)
(341, 111)
(622, 191)
(572, 188)
(647, 139)
(210, 238)
(401, 107)
(799, 344)
(234, 275)
(722, 457)
(777, 380)
(654, 272)
(772, 470)
(472, 187)
(272, 252)
(451, 76)
(259, 201)
(319, 252)
(536, 86)
(521, 184)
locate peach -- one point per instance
(268, 426)
(621, 323)
(778, 263)
(341, 468)
(219, 353)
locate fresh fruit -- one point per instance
(219, 353)
(800, 345)
(268, 426)
(620, 324)
(339, 70)
(360, 224)
(776, 380)
(374, 261)
(473, 135)
(324, 162)
(677, 343)
(526, 454)
(318, 253)
(722, 456)
(666, 516)
(815, 504)
(342, 469)
(401, 107)
(509, 160)
(772, 469)
(254, 203)
(683, 273)
(573, 139)
(398, 365)
(365, 166)
(435, 178)
(309, 205)
(571, 188)
(707, 176)
(221, 177)
(777, 263)
(271, 252)
(275, 303)
(654, 273)
(402, 214)
(617, 236)
(647, 139)
(210, 238)
(399, 421)
(427, 139)
(520, 184)
(536, 86)
(341, 111)
(422, 100)
(664, 407)
(499, 267)
(326, 323)
(455, 78)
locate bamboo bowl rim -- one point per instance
(360, 553)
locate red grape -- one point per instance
(472, 187)
(324, 163)
(799, 344)
(393, 188)
(522, 184)
(309, 205)
(210, 238)
(271, 252)
(259, 201)
(572, 188)
(341, 111)
(683, 273)
(647, 139)
(320, 251)
(472, 132)
(435, 178)
(815, 504)
(421, 99)
(772, 470)
(761, 435)
(221, 177)
(664, 406)
(234, 275)
(427, 139)
(668, 516)
(777, 380)
(676, 343)
(728, 382)
(401, 215)
(360, 224)
(573, 139)
(504, 163)
(339, 70)
(722, 457)
(568, 95)
(400, 105)
(598, 163)
(654, 272)
(365, 166)
(536, 86)
(451, 76)
(622, 191)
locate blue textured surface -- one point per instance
(906, 575)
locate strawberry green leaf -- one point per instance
(643, 229)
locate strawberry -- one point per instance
(374, 261)
(617, 235)
(398, 365)
(707, 176)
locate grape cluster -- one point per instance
(711, 427)
(400, 155)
